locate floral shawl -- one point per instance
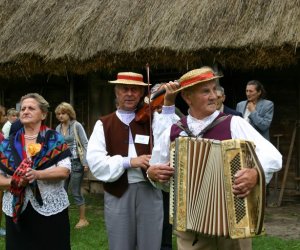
(13, 155)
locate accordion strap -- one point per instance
(208, 127)
(185, 129)
(261, 177)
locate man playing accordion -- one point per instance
(198, 90)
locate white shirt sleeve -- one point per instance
(104, 167)
(160, 151)
(268, 155)
(65, 163)
(161, 127)
(161, 154)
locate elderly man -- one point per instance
(220, 103)
(118, 154)
(198, 89)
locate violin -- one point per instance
(143, 114)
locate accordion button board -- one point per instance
(201, 198)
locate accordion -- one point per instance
(201, 198)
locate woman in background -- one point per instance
(69, 128)
(12, 116)
(257, 110)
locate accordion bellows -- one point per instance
(201, 198)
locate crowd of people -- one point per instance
(131, 158)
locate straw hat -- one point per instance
(129, 78)
(204, 74)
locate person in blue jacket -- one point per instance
(256, 109)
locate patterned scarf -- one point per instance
(14, 161)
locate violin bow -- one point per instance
(150, 111)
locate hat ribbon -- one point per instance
(197, 78)
(133, 78)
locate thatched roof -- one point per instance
(80, 36)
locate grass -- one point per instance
(94, 237)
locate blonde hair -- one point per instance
(12, 111)
(67, 108)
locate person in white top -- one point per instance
(12, 116)
(33, 168)
(198, 89)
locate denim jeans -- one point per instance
(75, 180)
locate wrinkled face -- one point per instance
(31, 113)
(128, 96)
(252, 94)
(201, 99)
(62, 116)
(220, 99)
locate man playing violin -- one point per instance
(118, 154)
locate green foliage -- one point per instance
(94, 236)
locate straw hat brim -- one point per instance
(128, 82)
(197, 82)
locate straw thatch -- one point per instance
(80, 36)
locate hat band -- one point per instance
(133, 78)
(197, 78)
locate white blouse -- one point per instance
(54, 196)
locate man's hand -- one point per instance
(170, 96)
(245, 180)
(141, 161)
(160, 172)
(251, 106)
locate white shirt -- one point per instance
(246, 115)
(6, 129)
(268, 155)
(54, 196)
(109, 168)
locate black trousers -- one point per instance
(35, 231)
(166, 242)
